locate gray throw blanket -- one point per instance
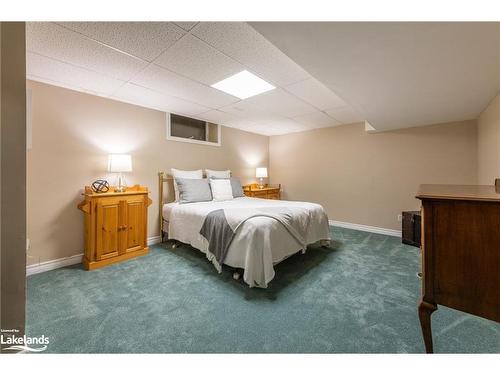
(218, 233)
(220, 226)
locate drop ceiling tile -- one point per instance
(280, 102)
(195, 59)
(315, 93)
(227, 119)
(244, 110)
(61, 84)
(241, 42)
(159, 79)
(267, 124)
(283, 124)
(59, 43)
(70, 76)
(261, 129)
(219, 117)
(242, 125)
(146, 40)
(316, 119)
(138, 95)
(186, 25)
(345, 115)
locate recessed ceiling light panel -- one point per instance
(243, 85)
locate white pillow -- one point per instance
(178, 173)
(217, 174)
(221, 189)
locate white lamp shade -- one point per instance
(261, 172)
(120, 163)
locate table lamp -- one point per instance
(261, 173)
(119, 163)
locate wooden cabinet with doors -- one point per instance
(115, 225)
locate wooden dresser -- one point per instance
(267, 192)
(460, 252)
(115, 225)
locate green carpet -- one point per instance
(359, 296)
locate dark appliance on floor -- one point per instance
(412, 228)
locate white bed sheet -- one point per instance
(259, 243)
(167, 208)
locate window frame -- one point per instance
(171, 137)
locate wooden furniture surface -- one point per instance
(115, 225)
(460, 252)
(267, 192)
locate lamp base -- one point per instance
(121, 187)
(261, 183)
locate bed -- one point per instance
(265, 231)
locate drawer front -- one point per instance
(264, 194)
(273, 195)
(463, 248)
(259, 194)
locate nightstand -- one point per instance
(116, 225)
(267, 192)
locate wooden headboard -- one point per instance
(166, 194)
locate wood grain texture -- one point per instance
(459, 192)
(115, 225)
(460, 252)
(425, 310)
(267, 192)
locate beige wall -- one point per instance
(73, 133)
(13, 176)
(488, 126)
(358, 177)
(367, 178)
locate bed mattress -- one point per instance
(260, 242)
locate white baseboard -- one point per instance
(69, 261)
(53, 264)
(365, 228)
(75, 259)
(153, 240)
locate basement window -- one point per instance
(191, 130)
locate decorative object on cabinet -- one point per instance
(261, 173)
(460, 252)
(115, 225)
(120, 163)
(411, 228)
(266, 192)
(100, 186)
